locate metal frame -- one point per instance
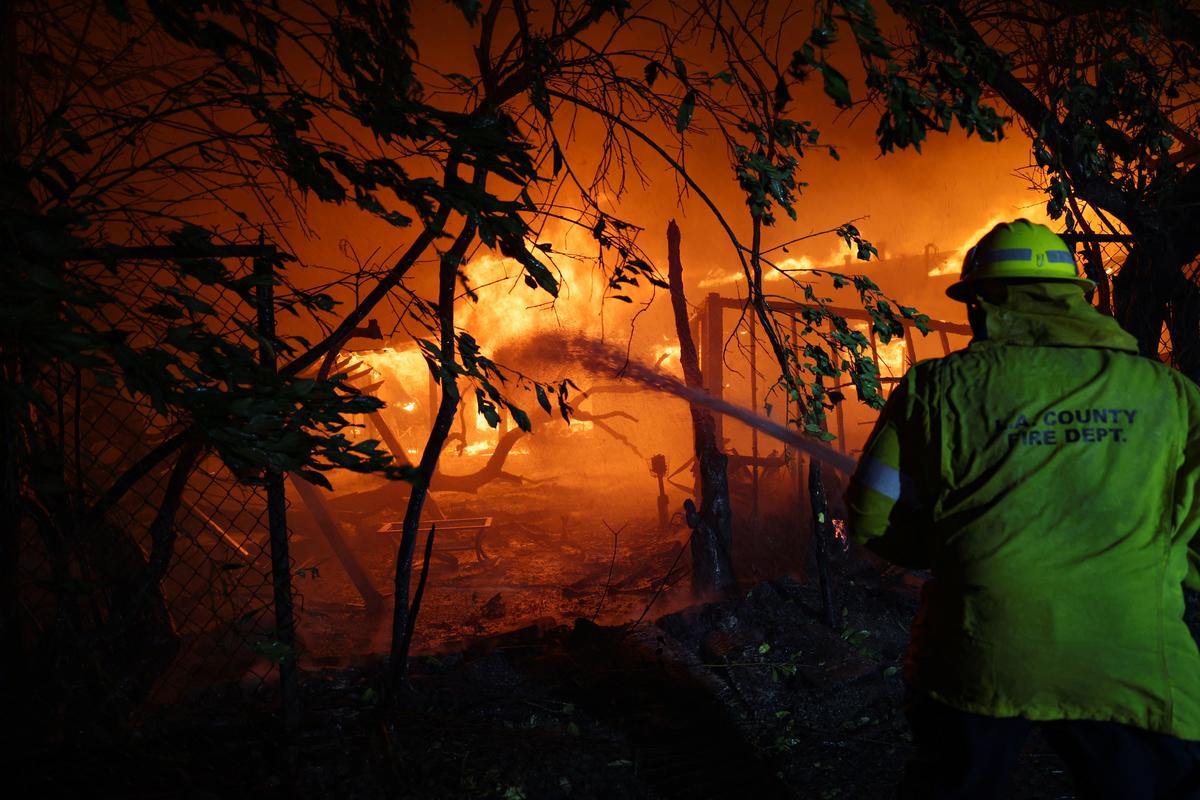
(708, 329)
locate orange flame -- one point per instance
(953, 263)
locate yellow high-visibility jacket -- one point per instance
(1048, 477)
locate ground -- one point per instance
(570, 662)
(750, 697)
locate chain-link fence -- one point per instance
(214, 620)
(1101, 257)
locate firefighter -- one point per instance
(1047, 476)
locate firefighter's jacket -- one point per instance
(1048, 476)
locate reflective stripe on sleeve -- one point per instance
(888, 481)
(879, 477)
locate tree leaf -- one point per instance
(521, 418)
(542, 398)
(651, 71)
(686, 109)
(836, 86)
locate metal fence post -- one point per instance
(281, 567)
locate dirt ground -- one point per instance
(597, 558)
(568, 662)
(750, 697)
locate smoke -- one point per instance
(605, 359)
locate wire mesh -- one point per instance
(217, 587)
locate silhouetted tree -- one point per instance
(1106, 92)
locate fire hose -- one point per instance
(602, 358)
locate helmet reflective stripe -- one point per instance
(1015, 254)
(1060, 257)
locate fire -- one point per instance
(782, 269)
(509, 310)
(405, 375)
(666, 356)
(479, 448)
(801, 264)
(890, 356)
(505, 307)
(839, 534)
(952, 264)
(404, 365)
(481, 423)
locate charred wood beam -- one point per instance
(311, 497)
(389, 439)
(334, 357)
(598, 421)
(790, 308)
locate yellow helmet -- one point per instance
(1017, 250)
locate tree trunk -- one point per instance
(820, 529)
(141, 634)
(712, 523)
(1183, 324)
(1136, 303)
(443, 421)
